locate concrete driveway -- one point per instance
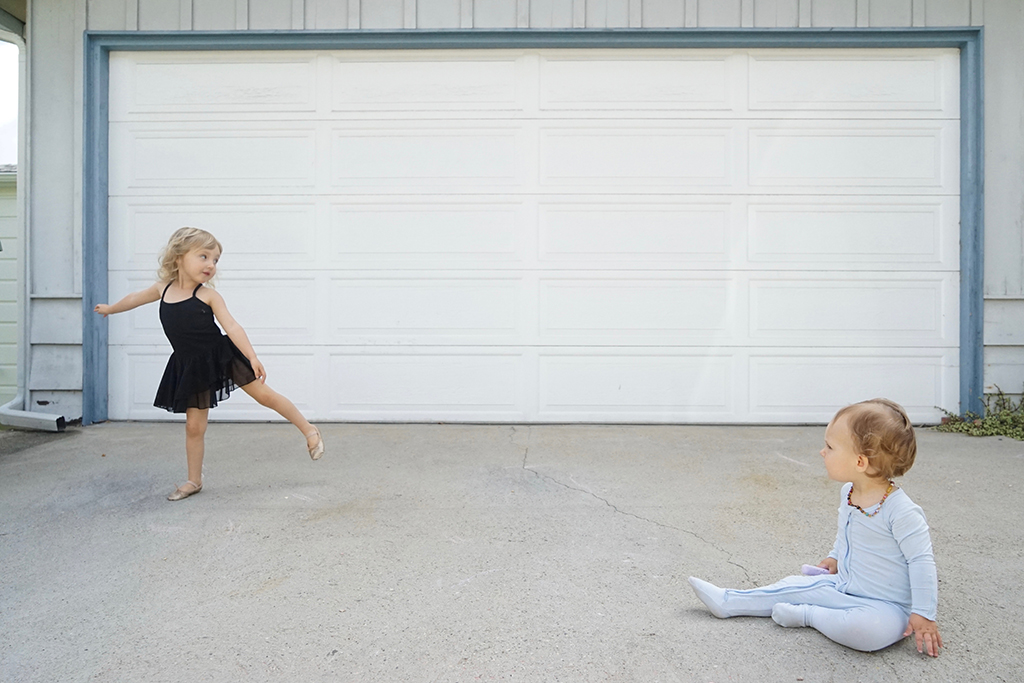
(466, 553)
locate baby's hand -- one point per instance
(102, 309)
(925, 631)
(830, 564)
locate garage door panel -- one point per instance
(140, 325)
(134, 376)
(886, 158)
(203, 159)
(418, 385)
(440, 235)
(136, 373)
(273, 309)
(139, 227)
(811, 385)
(635, 232)
(915, 233)
(212, 82)
(404, 82)
(425, 309)
(673, 82)
(635, 155)
(294, 372)
(430, 157)
(871, 310)
(608, 311)
(926, 83)
(700, 384)
(659, 386)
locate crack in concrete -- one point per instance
(617, 509)
(892, 666)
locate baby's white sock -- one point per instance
(711, 595)
(790, 616)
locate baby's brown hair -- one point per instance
(882, 431)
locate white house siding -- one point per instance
(55, 28)
(54, 212)
(9, 282)
(1004, 196)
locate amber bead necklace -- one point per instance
(892, 487)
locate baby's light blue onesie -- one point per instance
(886, 570)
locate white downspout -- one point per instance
(13, 413)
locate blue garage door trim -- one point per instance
(97, 80)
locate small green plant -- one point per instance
(1003, 417)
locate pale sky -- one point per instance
(8, 103)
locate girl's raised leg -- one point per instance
(269, 398)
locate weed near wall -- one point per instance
(1003, 417)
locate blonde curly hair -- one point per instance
(881, 430)
(181, 242)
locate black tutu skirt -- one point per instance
(202, 380)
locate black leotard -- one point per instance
(205, 366)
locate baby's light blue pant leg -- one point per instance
(866, 628)
(856, 622)
(794, 590)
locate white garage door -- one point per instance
(552, 235)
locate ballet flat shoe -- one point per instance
(182, 492)
(316, 451)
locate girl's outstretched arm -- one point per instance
(133, 300)
(234, 331)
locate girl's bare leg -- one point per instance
(195, 435)
(266, 396)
